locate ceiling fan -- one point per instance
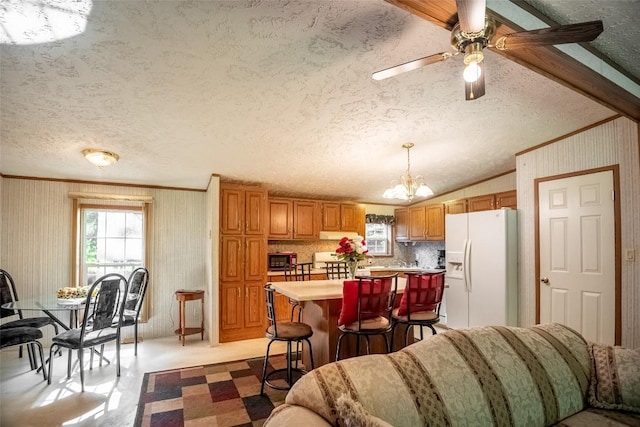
(474, 31)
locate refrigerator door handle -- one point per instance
(467, 266)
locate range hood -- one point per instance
(337, 235)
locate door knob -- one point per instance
(544, 280)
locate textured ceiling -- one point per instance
(272, 92)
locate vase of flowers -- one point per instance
(352, 251)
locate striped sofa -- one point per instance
(503, 376)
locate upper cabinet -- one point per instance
(507, 199)
(243, 210)
(426, 222)
(293, 219)
(456, 206)
(342, 217)
(402, 224)
(482, 203)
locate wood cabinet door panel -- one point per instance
(255, 212)
(435, 222)
(331, 217)
(348, 217)
(417, 223)
(507, 199)
(231, 258)
(456, 206)
(280, 219)
(402, 224)
(255, 258)
(254, 304)
(482, 203)
(304, 215)
(232, 218)
(231, 313)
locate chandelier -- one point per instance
(408, 187)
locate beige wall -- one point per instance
(35, 243)
(613, 143)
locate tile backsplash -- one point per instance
(426, 253)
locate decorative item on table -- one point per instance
(72, 295)
(352, 251)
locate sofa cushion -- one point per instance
(594, 417)
(481, 376)
(615, 383)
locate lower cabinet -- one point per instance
(242, 314)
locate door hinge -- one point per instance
(613, 195)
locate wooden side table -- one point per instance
(183, 296)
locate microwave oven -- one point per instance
(276, 261)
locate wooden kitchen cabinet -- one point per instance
(331, 217)
(401, 224)
(507, 199)
(482, 203)
(342, 217)
(243, 267)
(305, 226)
(293, 219)
(435, 221)
(280, 219)
(426, 222)
(456, 206)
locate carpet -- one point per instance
(223, 395)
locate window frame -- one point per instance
(389, 239)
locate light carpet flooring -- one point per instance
(27, 400)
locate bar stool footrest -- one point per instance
(277, 371)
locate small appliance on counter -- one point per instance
(276, 261)
(441, 258)
(320, 258)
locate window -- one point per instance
(111, 240)
(378, 237)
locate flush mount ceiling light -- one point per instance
(24, 22)
(100, 158)
(408, 187)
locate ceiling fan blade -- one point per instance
(573, 33)
(411, 65)
(474, 90)
(471, 15)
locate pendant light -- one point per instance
(409, 187)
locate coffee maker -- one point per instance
(441, 264)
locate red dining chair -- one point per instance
(366, 309)
(420, 303)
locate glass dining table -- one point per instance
(49, 305)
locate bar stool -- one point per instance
(297, 272)
(336, 270)
(366, 309)
(420, 303)
(283, 331)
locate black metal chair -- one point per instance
(24, 335)
(8, 294)
(366, 309)
(420, 303)
(337, 270)
(104, 303)
(283, 331)
(297, 272)
(138, 282)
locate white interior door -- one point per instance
(577, 254)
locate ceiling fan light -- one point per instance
(471, 72)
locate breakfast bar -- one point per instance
(321, 301)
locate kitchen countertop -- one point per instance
(317, 290)
(281, 273)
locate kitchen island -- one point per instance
(321, 301)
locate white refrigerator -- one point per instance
(482, 269)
